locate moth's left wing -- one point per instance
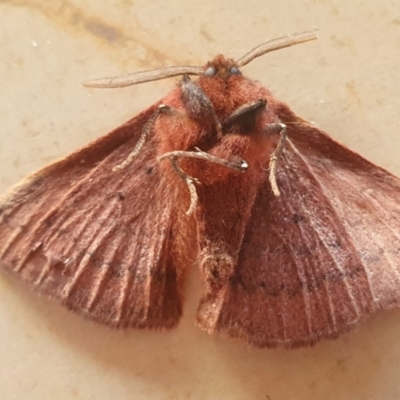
(320, 257)
(101, 241)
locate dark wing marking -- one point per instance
(324, 254)
(98, 240)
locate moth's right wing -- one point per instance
(98, 240)
(320, 257)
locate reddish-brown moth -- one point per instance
(111, 229)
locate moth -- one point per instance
(297, 237)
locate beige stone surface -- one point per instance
(347, 83)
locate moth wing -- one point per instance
(98, 240)
(320, 257)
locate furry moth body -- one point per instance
(222, 173)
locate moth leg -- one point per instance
(198, 105)
(199, 154)
(190, 181)
(148, 127)
(275, 155)
(246, 110)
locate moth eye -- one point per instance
(234, 71)
(210, 71)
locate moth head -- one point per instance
(221, 67)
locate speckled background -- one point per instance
(347, 83)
